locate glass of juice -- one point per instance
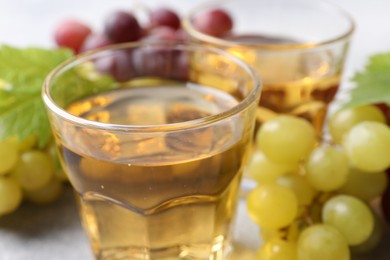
(297, 46)
(154, 138)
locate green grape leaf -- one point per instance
(26, 69)
(373, 83)
(22, 73)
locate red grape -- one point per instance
(180, 69)
(159, 61)
(71, 34)
(164, 17)
(152, 62)
(122, 26)
(214, 22)
(181, 35)
(161, 33)
(95, 41)
(118, 65)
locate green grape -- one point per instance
(278, 249)
(368, 146)
(34, 170)
(10, 195)
(286, 139)
(300, 186)
(365, 186)
(327, 168)
(27, 144)
(342, 121)
(322, 242)
(8, 155)
(350, 216)
(374, 240)
(263, 170)
(46, 194)
(272, 206)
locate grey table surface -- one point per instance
(54, 232)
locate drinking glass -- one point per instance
(297, 46)
(154, 137)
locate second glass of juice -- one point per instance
(297, 46)
(154, 138)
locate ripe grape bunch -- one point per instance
(29, 173)
(119, 27)
(314, 195)
(163, 24)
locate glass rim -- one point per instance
(187, 26)
(191, 124)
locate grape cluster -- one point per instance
(315, 194)
(29, 173)
(119, 27)
(123, 26)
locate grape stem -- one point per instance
(320, 200)
(307, 218)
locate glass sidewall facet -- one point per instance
(162, 190)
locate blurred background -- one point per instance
(31, 22)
